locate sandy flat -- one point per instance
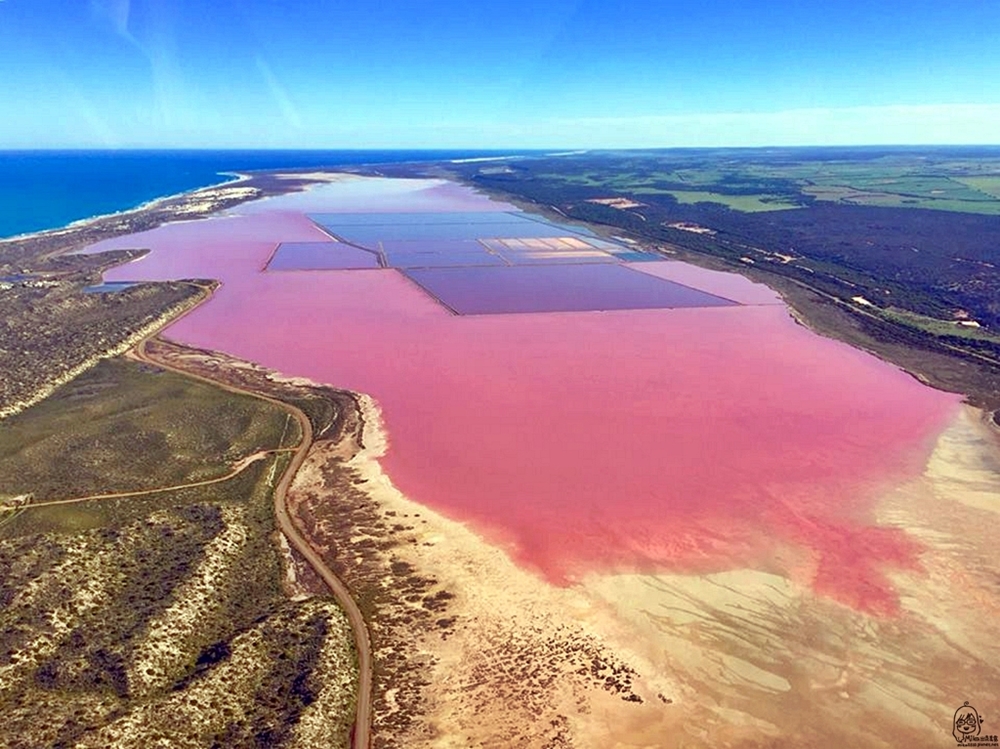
(737, 658)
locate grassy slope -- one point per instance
(161, 616)
(121, 427)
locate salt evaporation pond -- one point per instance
(715, 436)
(555, 288)
(320, 256)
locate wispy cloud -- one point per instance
(151, 29)
(288, 110)
(116, 13)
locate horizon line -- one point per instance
(515, 151)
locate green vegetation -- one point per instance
(939, 327)
(915, 231)
(941, 194)
(124, 427)
(745, 203)
(53, 330)
(133, 621)
(987, 185)
(893, 181)
(767, 181)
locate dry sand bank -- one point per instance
(471, 650)
(506, 659)
(772, 662)
(742, 658)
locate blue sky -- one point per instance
(483, 74)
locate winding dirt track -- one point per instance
(361, 734)
(236, 471)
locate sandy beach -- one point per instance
(738, 658)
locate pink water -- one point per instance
(376, 196)
(728, 285)
(679, 440)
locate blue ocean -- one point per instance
(49, 189)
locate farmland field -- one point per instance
(747, 203)
(776, 179)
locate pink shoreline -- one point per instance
(688, 440)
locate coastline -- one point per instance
(583, 680)
(523, 662)
(55, 273)
(695, 672)
(145, 205)
(36, 248)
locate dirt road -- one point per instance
(237, 469)
(361, 735)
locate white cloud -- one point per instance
(116, 12)
(284, 103)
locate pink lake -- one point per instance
(695, 439)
